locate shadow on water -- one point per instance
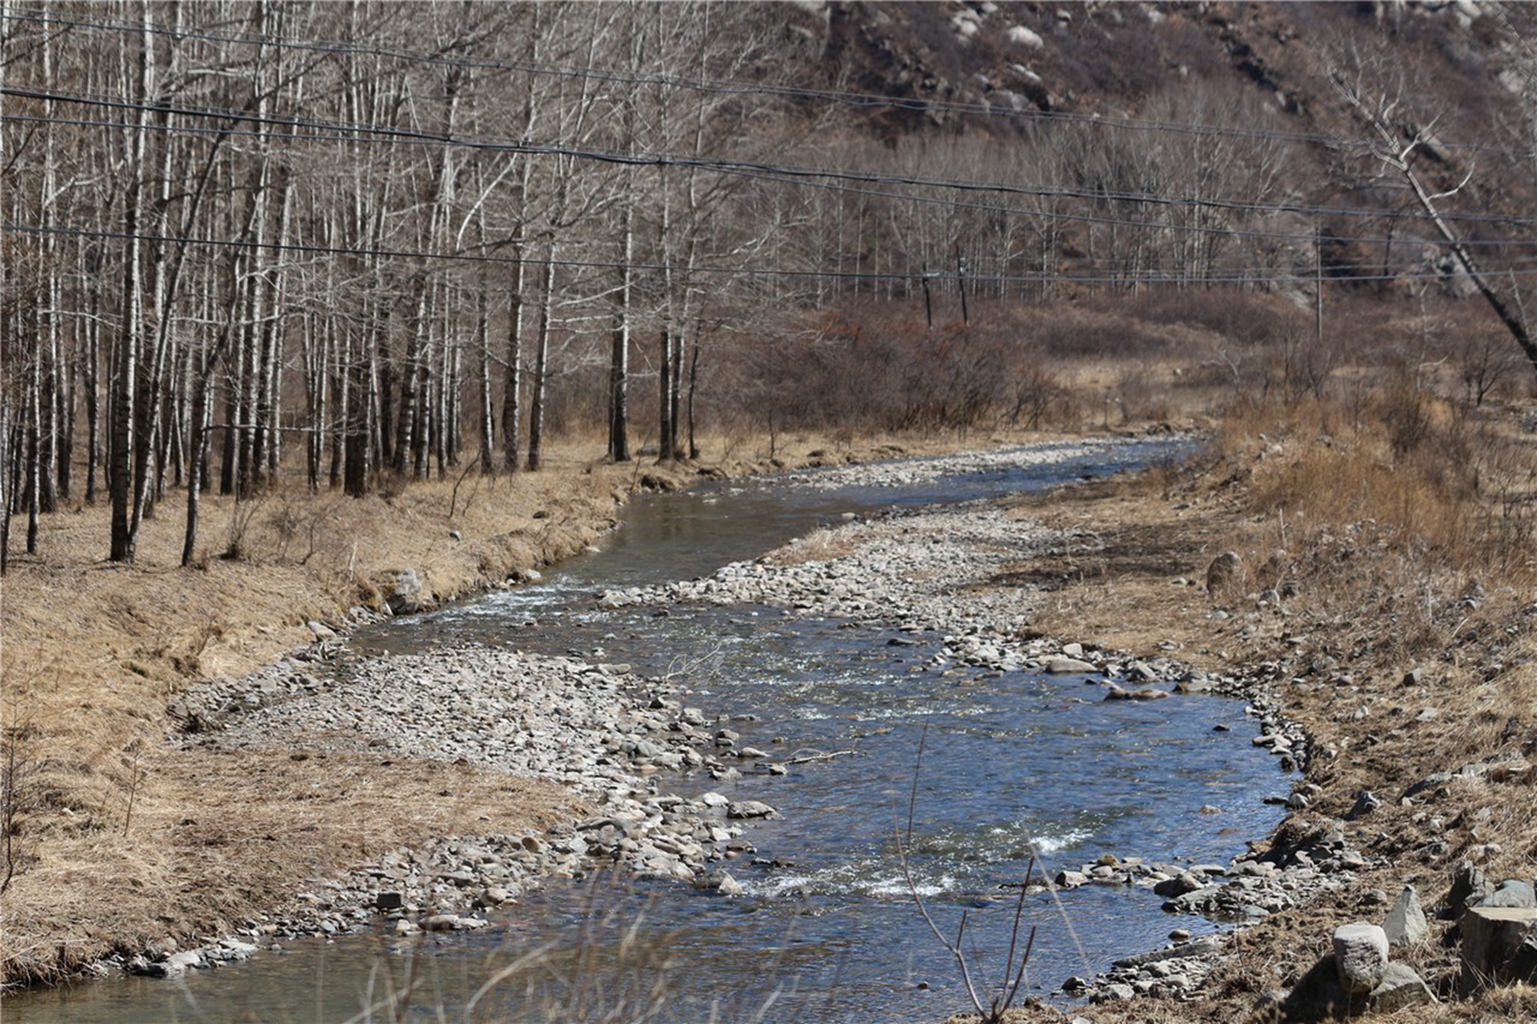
(1015, 766)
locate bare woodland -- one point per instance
(362, 243)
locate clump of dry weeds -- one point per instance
(821, 545)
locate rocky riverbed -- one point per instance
(908, 472)
(599, 729)
(609, 734)
(927, 572)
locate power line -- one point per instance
(727, 166)
(1301, 237)
(1242, 276)
(730, 88)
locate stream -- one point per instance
(1013, 764)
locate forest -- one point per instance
(353, 245)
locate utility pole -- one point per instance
(960, 278)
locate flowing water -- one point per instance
(1012, 765)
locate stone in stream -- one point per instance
(235, 949)
(722, 882)
(172, 966)
(1113, 993)
(1063, 666)
(1179, 885)
(1147, 693)
(750, 809)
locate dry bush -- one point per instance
(1243, 317)
(876, 366)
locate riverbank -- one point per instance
(1405, 663)
(126, 840)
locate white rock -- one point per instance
(1021, 36)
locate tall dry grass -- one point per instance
(1389, 490)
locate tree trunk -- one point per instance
(619, 355)
(487, 410)
(358, 433)
(410, 377)
(5, 480)
(512, 386)
(541, 364)
(125, 371)
(693, 386)
(664, 395)
(92, 385)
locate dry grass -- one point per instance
(820, 545)
(188, 867)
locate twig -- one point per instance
(808, 758)
(453, 497)
(912, 886)
(136, 776)
(994, 1011)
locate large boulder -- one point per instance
(1499, 946)
(1360, 956)
(1513, 892)
(405, 596)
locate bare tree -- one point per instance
(1396, 147)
